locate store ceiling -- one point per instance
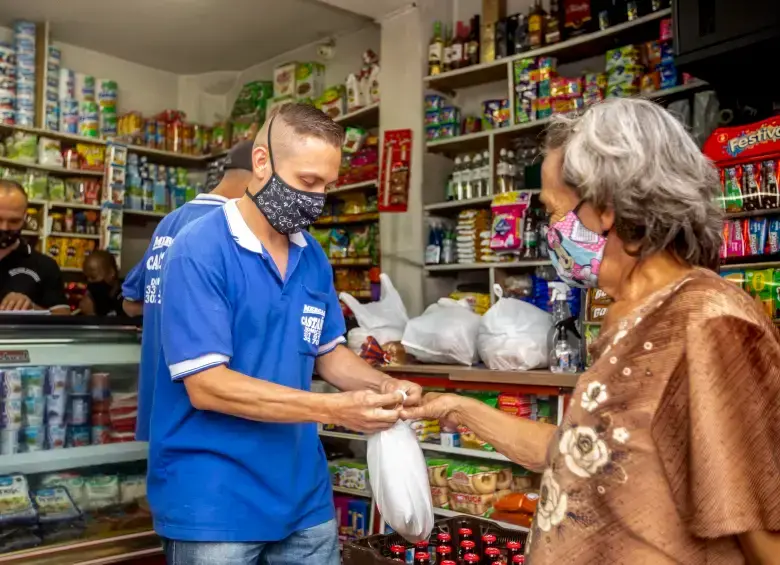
(190, 36)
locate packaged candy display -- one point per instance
(359, 160)
(69, 252)
(394, 173)
(349, 473)
(762, 284)
(253, 100)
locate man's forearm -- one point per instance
(132, 308)
(523, 441)
(347, 371)
(220, 389)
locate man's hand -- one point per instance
(364, 410)
(413, 391)
(435, 406)
(16, 301)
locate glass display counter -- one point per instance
(72, 478)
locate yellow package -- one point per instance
(759, 285)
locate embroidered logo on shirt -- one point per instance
(312, 321)
(25, 271)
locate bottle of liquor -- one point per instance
(552, 29)
(446, 62)
(578, 17)
(472, 46)
(456, 48)
(435, 51)
(536, 19)
(521, 34)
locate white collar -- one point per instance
(244, 236)
(209, 199)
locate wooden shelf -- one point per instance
(481, 202)
(583, 47)
(58, 171)
(147, 213)
(75, 205)
(73, 234)
(347, 219)
(352, 262)
(353, 187)
(753, 213)
(367, 117)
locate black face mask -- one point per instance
(9, 237)
(287, 209)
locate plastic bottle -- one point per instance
(476, 176)
(448, 246)
(511, 170)
(502, 172)
(563, 345)
(434, 247)
(467, 178)
(487, 174)
(457, 179)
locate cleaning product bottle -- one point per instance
(563, 341)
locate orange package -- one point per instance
(517, 518)
(518, 502)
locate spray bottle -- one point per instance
(563, 341)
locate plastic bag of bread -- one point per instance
(474, 504)
(440, 496)
(469, 478)
(399, 481)
(521, 480)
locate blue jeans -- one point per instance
(313, 546)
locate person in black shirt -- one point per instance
(104, 287)
(28, 280)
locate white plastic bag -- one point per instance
(399, 481)
(385, 319)
(513, 336)
(445, 333)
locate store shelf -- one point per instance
(353, 187)
(359, 294)
(753, 213)
(70, 270)
(464, 452)
(582, 47)
(352, 262)
(481, 202)
(31, 233)
(450, 267)
(97, 551)
(167, 157)
(68, 351)
(72, 138)
(347, 219)
(75, 205)
(60, 171)
(147, 213)
(353, 492)
(479, 141)
(73, 457)
(757, 264)
(71, 234)
(460, 373)
(453, 514)
(367, 117)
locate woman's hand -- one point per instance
(436, 406)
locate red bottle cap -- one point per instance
(397, 549)
(444, 550)
(489, 538)
(471, 558)
(421, 555)
(464, 531)
(444, 537)
(448, 562)
(520, 559)
(422, 545)
(492, 552)
(497, 563)
(467, 544)
(513, 545)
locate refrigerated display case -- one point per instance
(72, 479)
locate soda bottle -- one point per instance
(492, 554)
(488, 540)
(421, 546)
(443, 553)
(448, 562)
(465, 534)
(466, 547)
(470, 558)
(398, 553)
(513, 548)
(422, 558)
(518, 560)
(443, 538)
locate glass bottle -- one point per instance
(530, 242)
(476, 176)
(457, 179)
(435, 51)
(487, 174)
(446, 63)
(536, 20)
(552, 28)
(456, 48)
(472, 46)
(467, 178)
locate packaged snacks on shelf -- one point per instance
(49, 152)
(333, 102)
(91, 157)
(760, 284)
(339, 243)
(474, 504)
(354, 138)
(16, 506)
(101, 492)
(252, 97)
(54, 505)
(509, 211)
(495, 114)
(284, 80)
(471, 478)
(37, 185)
(309, 81)
(350, 473)
(757, 232)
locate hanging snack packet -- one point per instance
(757, 230)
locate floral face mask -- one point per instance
(575, 251)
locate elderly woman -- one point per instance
(670, 449)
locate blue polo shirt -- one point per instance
(143, 284)
(219, 478)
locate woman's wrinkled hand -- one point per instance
(435, 406)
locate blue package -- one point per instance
(668, 76)
(773, 236)
(358, 512)
(757, 230)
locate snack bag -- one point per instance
(731, 187)
(507, 227)
(760, 285)
(736, 276)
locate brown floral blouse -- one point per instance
(671, 444)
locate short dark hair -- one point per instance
(104, 258)
(10, 185)
(306, 120)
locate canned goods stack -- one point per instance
(52, 408)
(53, 64)
(7, 83)
(24, 41)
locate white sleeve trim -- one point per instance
(185, 368)
(331, 345)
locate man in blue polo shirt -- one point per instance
(237, 473)
(141, 288)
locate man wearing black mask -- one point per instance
(28, 280)
(104, 287)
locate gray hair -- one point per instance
(634, 157)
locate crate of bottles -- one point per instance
(462, 539)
